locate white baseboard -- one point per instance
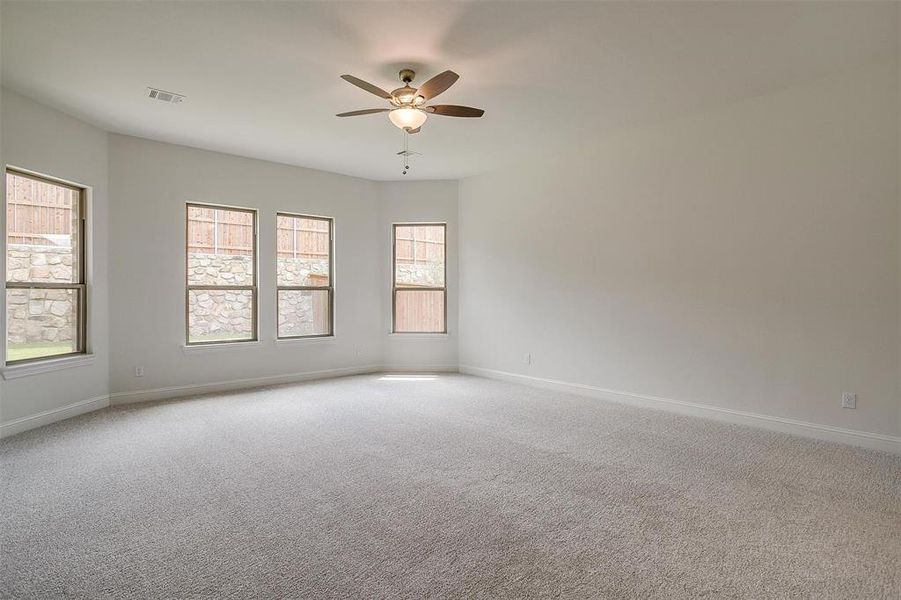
(164, 393)
(874, 441)
(408, 368)
(51, 416)
(175, 391)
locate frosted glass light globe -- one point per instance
(407, 118)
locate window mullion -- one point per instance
(204, 288)
(32, 285)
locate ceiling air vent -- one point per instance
(164, 96)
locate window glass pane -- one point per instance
(419, 255)
(303, 251)
(419, 311)
(303, 312)
(220, 246)
(41, 322)
(42, 231)
(220, 315)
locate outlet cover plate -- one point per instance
(849, 400)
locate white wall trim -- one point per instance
(117, 398)
(175, 391)
(418, 368)
(38, 367)
(303, 341)
(51, 416)
(874, 441)
(221, 347)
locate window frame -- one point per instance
(254, 288)
(330, 288)
(395, 287)
(81, 287)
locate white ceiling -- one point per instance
(262, 78)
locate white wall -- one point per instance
(137, 302)
(43, 140)
(151, 182)
(745, 258)
(419, 202)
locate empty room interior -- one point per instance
(451, 300)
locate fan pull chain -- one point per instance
(406, 154)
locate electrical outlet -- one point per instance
(139, 371)
(527, 359)
(849, 400)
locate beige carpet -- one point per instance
(371, 487)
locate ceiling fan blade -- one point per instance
(367, 111)
(437, 84)
(452, 110)
(365, 85)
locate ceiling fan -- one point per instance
(408, 109)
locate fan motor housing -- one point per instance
(405, 95)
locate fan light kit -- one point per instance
(407, 118)
(408, 109)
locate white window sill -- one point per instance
(419, 336)
(300, 341)
(46, 366)
(223, 347)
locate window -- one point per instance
(419, 287)
(221, 268)
(45, 273)
(304, 273)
